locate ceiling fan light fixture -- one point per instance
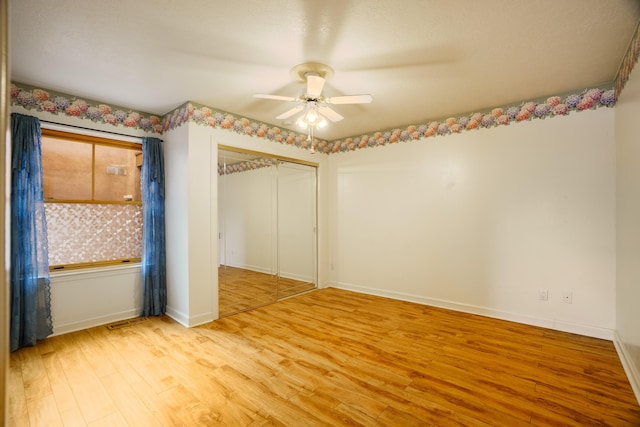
(302, 123)
(311, 117)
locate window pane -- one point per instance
(66, 167)
(82, 232)
(117, 176)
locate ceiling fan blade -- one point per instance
(330, 114)
(314, 86)
(350, 99)
(290, 112)
(275, 97)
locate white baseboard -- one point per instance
(178, 316)
(587, 330)
(299, 277)
(65, 328)
(187, 321)
(200, 319)
(259, 269)
(286, 275)
(129, 314)
(627, 363)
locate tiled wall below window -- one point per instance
(93, 232)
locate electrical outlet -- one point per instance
(567, 297)
(543, 295)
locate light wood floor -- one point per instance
(324, 358)
(240, 289)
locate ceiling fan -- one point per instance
(313, 104)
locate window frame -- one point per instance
(93, 140)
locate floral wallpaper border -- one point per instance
(588, 99)
(58, 103)
(553, 106)
(628, 63)
(259, 163)
(206, 116)
(62, 104)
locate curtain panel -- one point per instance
(154, 282)
(30, 294)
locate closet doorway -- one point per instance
(267, 222)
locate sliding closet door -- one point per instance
(247, 205)
(267, 229)
(297, 269)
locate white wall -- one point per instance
(267, 219)
(627, 338)
(176, 221)
(482, 220)
(296, 222)
(82, 299)
(191, 215)
(203, 276)
(247, 201)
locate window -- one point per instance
(92, 200)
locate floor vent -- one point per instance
(128, 322)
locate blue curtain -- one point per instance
(154, 280)
(30, 297)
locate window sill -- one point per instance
(107, 270)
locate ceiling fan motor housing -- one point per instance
(300, 72)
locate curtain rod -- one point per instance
(92, 130)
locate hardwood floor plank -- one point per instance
(96, 353)
(484, 406)
(423, 407)
(111, 420)
(159, 373)
(171, 407)
(220, 405)
(112, 340)
(59, 384)
(43, 412)
(34, 377)
(354, 416)
(17, 407)
(327, 357)
(415, 417)
(72, 418)
(129, 405)
(93, 400)
(600, 411)
(263, 400)
(322, 406)
(241, 289)
(352, 398)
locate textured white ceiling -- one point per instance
(419, 59)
